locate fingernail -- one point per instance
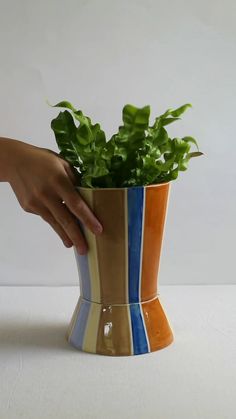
(67, 244)
(97, 228)
(82, 251)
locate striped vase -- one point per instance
(118, 311)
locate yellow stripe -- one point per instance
(91, 331)
(130, 330)
(92, 253)
(73, 319)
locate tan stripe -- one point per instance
(91, 331)
(109, 208)
(114, 333)
(87, 195)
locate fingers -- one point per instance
(78, 206)
(48, 217)
(68, 224)
(51, 182)
(71, 172)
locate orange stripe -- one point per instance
(155, 212)
(157, 326)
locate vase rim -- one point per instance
(125, 187)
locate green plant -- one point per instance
(138, 154)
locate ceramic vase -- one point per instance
(118, 310)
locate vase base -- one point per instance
(119, 329)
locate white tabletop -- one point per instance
(42, 377)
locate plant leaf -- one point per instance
(138, 154)
(64, 130)
(84, 135)
(177, 112)
(195, 154)
(78, 115)
(191, 140)
(136, 119)
(64, 104)
(179, 146)
(167, 121)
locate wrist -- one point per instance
(9, 153)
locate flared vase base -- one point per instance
(119, 329)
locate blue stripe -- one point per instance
(84, 274)
(135, 216)
(77, 335)
(139, 337)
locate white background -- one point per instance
(101, 55)
(42, 376)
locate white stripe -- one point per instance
(163, 231)
(144, 326)
(141, 247)
(140, 268)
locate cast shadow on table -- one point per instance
(34, 336)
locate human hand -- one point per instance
(44, 184)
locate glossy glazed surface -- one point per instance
(119, 312)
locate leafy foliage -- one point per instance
(138, 154)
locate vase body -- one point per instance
(118, 311)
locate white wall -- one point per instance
(101, 55)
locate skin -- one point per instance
(44, 184)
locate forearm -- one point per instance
(9, 150)
(5, 147)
